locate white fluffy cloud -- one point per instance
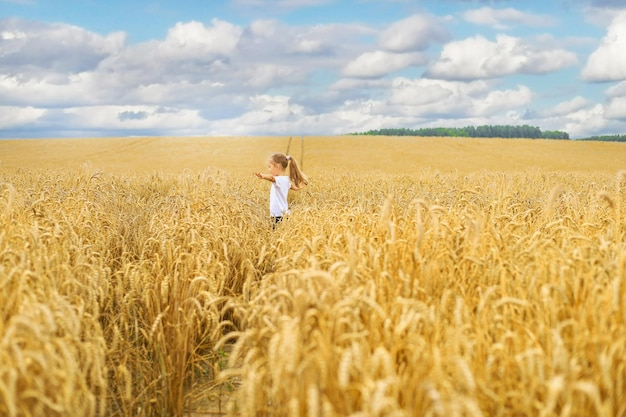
(564, 108)
(402, 45)
(477, 57)
(414, 33)
(427, 97)
(13, 116)
(194, 39)
(608, 62)
(505, 18)
(379, 63)
(616, 109)
(31, 49)
(585, 122)
(617, 90)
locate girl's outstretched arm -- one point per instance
(267, 177)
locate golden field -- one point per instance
(239, 155)
(414, 277)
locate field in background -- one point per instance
(415, 277)
(242, 154)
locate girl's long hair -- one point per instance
(296, 176)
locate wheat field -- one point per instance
(414, 277)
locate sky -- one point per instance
(102, 68)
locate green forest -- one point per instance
(608, 138)
(487, 131)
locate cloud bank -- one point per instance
(270, 77)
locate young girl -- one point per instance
(277, 164)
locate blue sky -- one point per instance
(96, 68)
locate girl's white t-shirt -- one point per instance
(278, 196)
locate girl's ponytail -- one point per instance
(296, 176)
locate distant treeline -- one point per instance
(608, 138)
(486, 131)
